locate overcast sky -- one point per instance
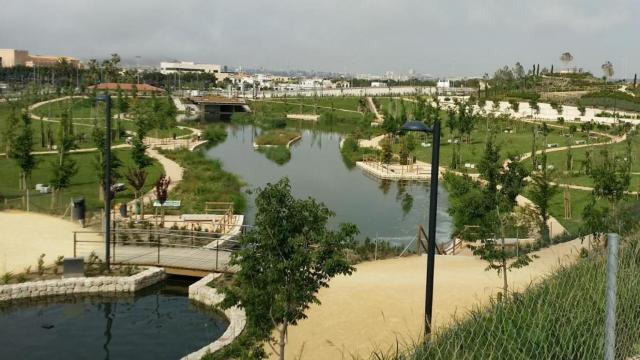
(444, 38)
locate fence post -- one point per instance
(610, 310)
(217, 252)
(74, 243)
(158, 240)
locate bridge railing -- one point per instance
(190, 250)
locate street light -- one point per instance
(107, 178)
(419, 126)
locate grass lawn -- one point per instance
(518, 142)
(82, 108)
(276, 137)
(83, 184)
(347, 102)
(577, 176)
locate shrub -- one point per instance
(215, 134)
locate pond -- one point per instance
(385, 210)
(158, 323)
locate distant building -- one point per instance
(141, 88)
(378, 84)
(189, 67)
(13, 57)
(443, 84)
(572, 70)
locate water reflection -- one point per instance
(109, 327)
(316, 169)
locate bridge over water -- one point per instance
(180, 252)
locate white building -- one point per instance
(189, 67)
(378, 84)
(443, 84)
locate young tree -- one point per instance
(607, 70)
(65, 168)
(137, 179)
(99, 136)
(541, 194)
(610, 180)
(288, 255)
(22, 152)
(162, 192)
(9, 131)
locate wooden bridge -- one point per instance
(180, 252)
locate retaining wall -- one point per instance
(201, 292)
(93, 285)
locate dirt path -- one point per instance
(383, 301)
(372, 107)
(28, 234)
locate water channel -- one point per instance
(386, 210)
(157, 323)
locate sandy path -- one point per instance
(384, 301)
(22, 243)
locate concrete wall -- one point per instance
(201, 292)
(71, 286)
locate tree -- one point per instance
(99, 136)
(387, 153)
(9, 131)
(610, 180)
(22, 152)
(541, 194)
(607, 70)
(137, 179)
(284, 260)
(65, 168)
(162, 192)
(566, 58)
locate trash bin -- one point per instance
(123, 210)
(138, 210)
(78, 212)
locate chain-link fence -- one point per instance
(562, 317)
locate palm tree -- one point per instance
(566, 58)
(607, 70)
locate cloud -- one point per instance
(430, 36)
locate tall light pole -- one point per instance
(419, 126)
(107, 179)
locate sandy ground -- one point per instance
(383, 301)
(27, 235)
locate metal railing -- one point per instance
(182, 249)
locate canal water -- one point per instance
(158, 323)
(386, 210)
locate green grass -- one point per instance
(205, 180)
(279, 154)
(82, 108)
(83, 184)
(577, 175)
(519, 142)
(276, 137)
(560, 318)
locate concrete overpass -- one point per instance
(219, 108)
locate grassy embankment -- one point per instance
(205, 180)
(560, 318)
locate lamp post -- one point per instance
(107, 179)
(419, 126)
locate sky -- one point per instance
(441, 38)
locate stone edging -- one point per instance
(201, 292)
(71, 286)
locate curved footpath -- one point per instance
(383, 301)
